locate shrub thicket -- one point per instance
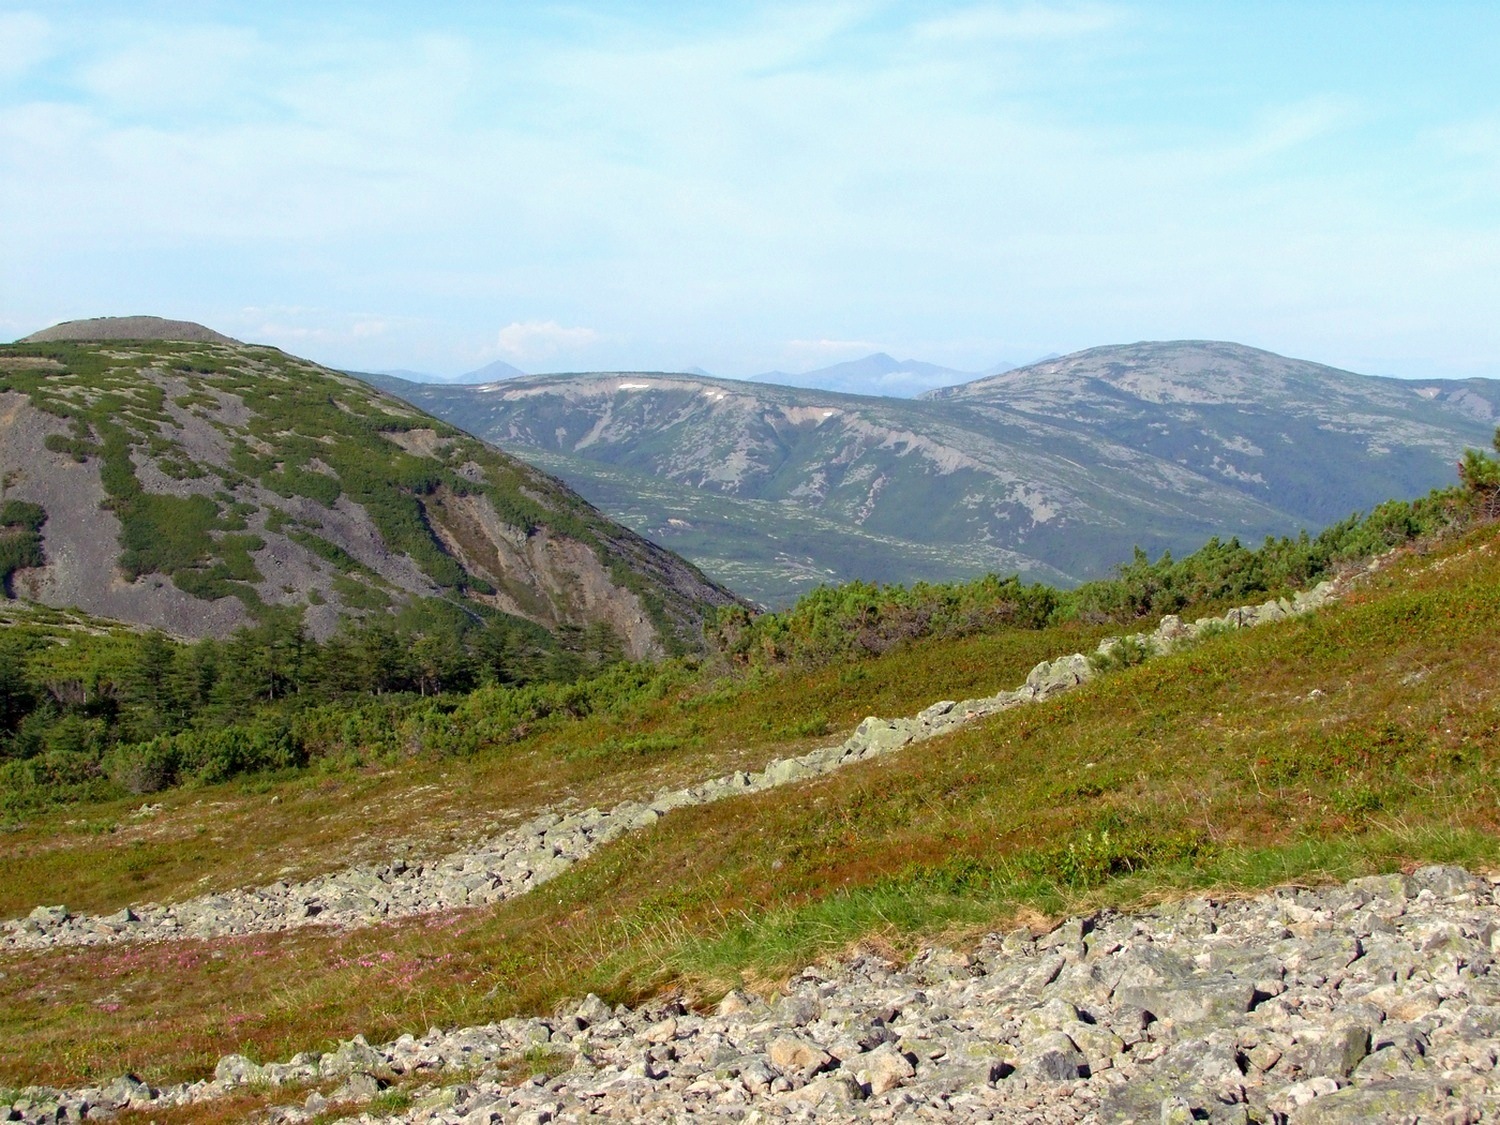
(20, 539)
(836, 623)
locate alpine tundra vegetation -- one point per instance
(709, 825)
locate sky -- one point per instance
(744, 187)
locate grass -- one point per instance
(101, 857)
(1358, 740)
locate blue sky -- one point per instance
(753, 186)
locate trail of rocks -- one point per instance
(515, 861)
(1378, 1001)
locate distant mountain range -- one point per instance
(878, 374)
(1054, 470)
(189, 482)
(498, 369)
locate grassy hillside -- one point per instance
(199, 486)
(1360, 738)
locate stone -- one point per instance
(796, 1010)
(735, 1003)
(354, 1055)
(1444, 881)
(127, 1090)
(1191, 1002)
(1053, 676)
(358, 1087)
(237, 1070)
(884, 1068)
(878, 736)
(1291, 1098)
(1391, 1101)
(795, 1055)
(592, 1011)
(1337, 1052)
(663, 1032)
(1052, 1057)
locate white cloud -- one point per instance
(1021, 22)
(1279, 131)
(26, 41)
(537, 339)
(1042, 175)
(305, 324)
(179, 72)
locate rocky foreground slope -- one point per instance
(1374, 1001)
(1377, 1001)
(523, 858)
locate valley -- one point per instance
(1054, 471)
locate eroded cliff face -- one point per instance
(541, 576)
(189, 483)
(81, 536)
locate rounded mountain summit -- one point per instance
(102, 328)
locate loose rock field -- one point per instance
(1375, 1001)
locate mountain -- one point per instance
(499, 369)
(877, 374)
(1314, 441)
(191, 483)
(128, 328)
(1055, 470)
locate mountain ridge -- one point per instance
(195, 485)
(1050, 470)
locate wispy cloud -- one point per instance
(536, 339)
(28, 42)
(1023, 22)
(311, 324)
(1034, 176)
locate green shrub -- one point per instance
(147, 767)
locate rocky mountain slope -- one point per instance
(1373, 999)
(1055, 470)
(1310, 440)
(189, 482)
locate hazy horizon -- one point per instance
(759, 186)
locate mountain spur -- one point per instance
(514, 862)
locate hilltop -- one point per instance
(187, 482)
(1054, 471)
(101, 328)
(1313, 441)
